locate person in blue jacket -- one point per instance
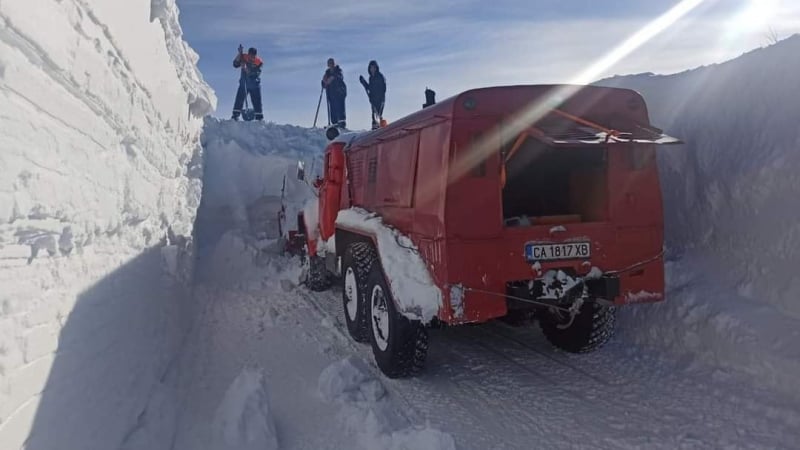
(249, 82)
(336, 91)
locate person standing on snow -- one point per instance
(249, 82)
(336, 91)
(376, 91)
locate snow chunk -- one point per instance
(350, 380)
(413, 289)
(593, 274)
(641, 296)
(457, 300)
(557, 283)
(368, 414)
(243, 421)
(311, 217)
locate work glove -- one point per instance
(241, 49)
(361, 79)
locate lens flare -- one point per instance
(480, 150)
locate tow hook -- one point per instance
(574, 310)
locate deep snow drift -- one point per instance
(99, 184)
(732, 221)
(249, 168)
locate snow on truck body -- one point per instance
(566, 207)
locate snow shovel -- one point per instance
(319, 103)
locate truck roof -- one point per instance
(627, 105)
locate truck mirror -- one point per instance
(301, 170)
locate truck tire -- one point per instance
(592, 328)
(400, 345)
(318, 278)
(356, 264)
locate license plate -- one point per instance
(550, 252)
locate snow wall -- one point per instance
(247, 165)
(732, 216)
(100, 178)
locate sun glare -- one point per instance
(537, 110)
(756, 15)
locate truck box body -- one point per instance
(502, 190)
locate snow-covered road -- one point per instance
(488, 386)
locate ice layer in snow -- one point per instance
(413, 289)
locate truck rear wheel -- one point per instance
(591, 329)
(356, 264)
(318, 278)
(400, 345)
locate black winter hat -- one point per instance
(252, 51)
(373, 63)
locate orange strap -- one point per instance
(588, 123)
(514, 148)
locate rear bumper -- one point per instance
(495, 291)
(603, 288)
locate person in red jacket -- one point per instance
(249, 82)
(336, 90)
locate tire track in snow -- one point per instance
(464, 388)
(415, 405)
(491, 388)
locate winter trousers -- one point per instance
(377, 114)
(255, 97)
(336, 109)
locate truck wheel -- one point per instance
(592, 327)
(399, 344)
(318, 279)
(356, 264)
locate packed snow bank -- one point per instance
(248, 167)
(251, 313)
(368, 414)
(99, 146)
(243, 420)
(413, 289)
(730, 199)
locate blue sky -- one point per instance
(451, 46)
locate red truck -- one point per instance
(498, 202)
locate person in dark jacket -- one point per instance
(376, 91)
(336, 91)
(249, 82)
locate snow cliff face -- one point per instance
(730, 193)
(100, 114)
(731, 215)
